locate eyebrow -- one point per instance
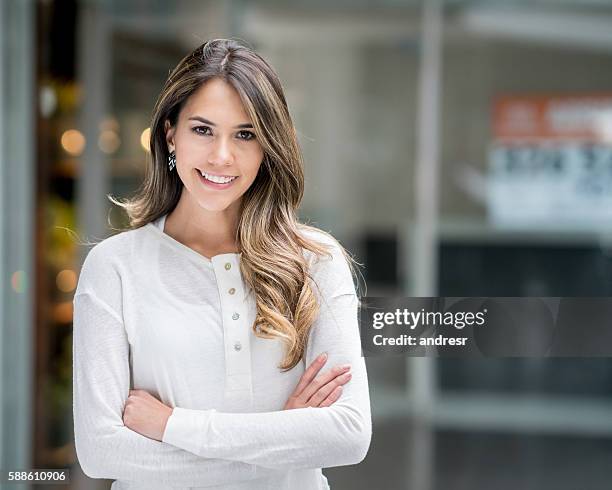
(206, 121)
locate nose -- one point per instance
(221, 152)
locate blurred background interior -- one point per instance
(456, 148)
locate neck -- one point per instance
(207, 231)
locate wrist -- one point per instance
(165, 422)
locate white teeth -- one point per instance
(214, 178)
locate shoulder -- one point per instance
(111, 250)
(332, 245)
(105, 260)
(330, 271)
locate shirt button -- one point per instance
(235, 316)
(232, 290)
(228, 266)
(237, 346)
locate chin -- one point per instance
(214, 206)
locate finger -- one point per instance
(332, 398)
(322, 393)
(322, 380)
(310, 373)
(325, 390)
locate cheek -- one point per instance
(256, 161)
(253, 171)
(187, 152)
(256, 164)
(249, 163)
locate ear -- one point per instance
(169, 130)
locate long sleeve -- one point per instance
(299, 438)
(105, 447)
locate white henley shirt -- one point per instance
(151, 313)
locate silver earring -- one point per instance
(172, 160)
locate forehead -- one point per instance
(218, 101)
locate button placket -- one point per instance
(235, 314)
(235, 332)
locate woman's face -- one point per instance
(214, 135)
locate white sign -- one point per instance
(550, 185)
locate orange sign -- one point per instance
(567, 117)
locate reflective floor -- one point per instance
(399, 458)
(476, 461)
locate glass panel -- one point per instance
(351, 92)
(525, 173)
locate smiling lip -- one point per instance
(216, 175)
(212, 184)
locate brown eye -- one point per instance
(246, 135)
(198, 129)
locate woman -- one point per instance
(200, 333)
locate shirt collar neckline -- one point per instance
(158, 225)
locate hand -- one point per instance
(145, 414)
(321, 391)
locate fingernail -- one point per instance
(345, 366)
(323, 356)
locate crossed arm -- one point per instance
(105, 447)
(207, 447)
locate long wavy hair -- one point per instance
(269, 236)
